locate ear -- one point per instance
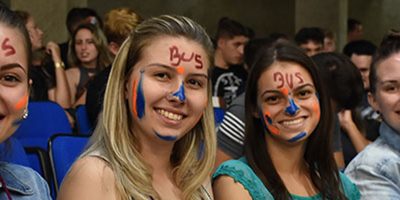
(372, 101)
(221, 42)
(113, 48)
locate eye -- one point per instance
(10, 80)
(273, 99)
(391, 88)
(304, 94)
(162, 76)
(194, 83)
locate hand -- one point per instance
(345, 119)
(53, 49)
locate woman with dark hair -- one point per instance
(376, 170)
(16, 182)
(288, 152)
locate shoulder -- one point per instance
(21, 180)
(350, 189)
(89, 178)
(237, 175)
(73, 71)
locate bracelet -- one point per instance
(59, 65)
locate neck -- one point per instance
(90, 65)
(287, 159)
(219, 60)
(157, 155)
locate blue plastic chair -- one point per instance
(63, 151)
(82, 121)
(44, 120)
(12, 151)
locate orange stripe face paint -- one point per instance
(285, 92)
(317, 110)
(21, 104)
(180, 69)
(268, 123)
(134, 97)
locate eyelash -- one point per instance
(10, 79)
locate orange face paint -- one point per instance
(21, 104)
(268, 122)
(180, 70)
(134, 97)
(317, 110)
(285, 91)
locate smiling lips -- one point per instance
(170, 115)
(292, 122)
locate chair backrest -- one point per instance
(218, 115)
(44, 120)
(12, 151)
(63, 151)
(82, 121)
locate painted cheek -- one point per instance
(297, 137)
(180, 93)
(268, 124)
(166, 138)
(138, 101)
(21, 104)
(317, 110)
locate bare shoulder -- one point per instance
(224, 187)
(72, 71)
(89, 178)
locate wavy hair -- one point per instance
(318, 152)
(119, 143)
(104, 57)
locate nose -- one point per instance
(241, 49)
(178, 95)
(292, 108)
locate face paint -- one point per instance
(176, 57)
(166, 138)
(292, 108)
(268, 124)
(22, 103)
(138, 101)
(180, 93)
(7, 47)
(297, 137)
(180, 69)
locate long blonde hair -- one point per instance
(193, 155)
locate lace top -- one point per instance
(241, 172)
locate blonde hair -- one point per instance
(119, 23)
(193, 155)
(104, 57)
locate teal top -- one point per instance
(241, 172)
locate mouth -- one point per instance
(293, 123)
(170, 115)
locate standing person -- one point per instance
(354, 30)
(310, 39)
(17, 182)
(155, 139)
(118, 25)
(229, 76)
(292, 157)
(88, 55)
(49, 81)
(376, 170)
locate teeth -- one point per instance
(293, 122)
(170, 115)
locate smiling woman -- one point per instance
(288, 133)
(14, 94)
(155, 139)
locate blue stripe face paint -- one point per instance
(292, 108)
(297, 137)
(180, 93)
(140, 102)
(166, 138)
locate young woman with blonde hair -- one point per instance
(155, 138)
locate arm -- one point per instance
(73, 75)
(224, 187)
(61, 92)
(89, 178)
(357, 138)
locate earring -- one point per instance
(26, 113)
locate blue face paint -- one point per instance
(166, 138)
(298, 137)
(292, 108)
(140, 102)
(180, 93)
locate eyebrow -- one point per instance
(170, 68)
(12, 66)
(295, 89)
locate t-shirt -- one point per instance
(228, 83)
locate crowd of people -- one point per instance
(302, 119)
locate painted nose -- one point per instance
(292, 108)
(180, 93)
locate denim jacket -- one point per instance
(376, 170)
(23, 183)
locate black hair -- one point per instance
(352, 24)
(229, 28)
(252, 47)
(77, 15)
(341, 78)
(359, 47)
(318, 152)
(307, 34)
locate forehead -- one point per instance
(361, 60)
(311, 44)
(84, 32)
(389, 69)
(239, 39)
(166, 48)
(283, 73)
(13, 49)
